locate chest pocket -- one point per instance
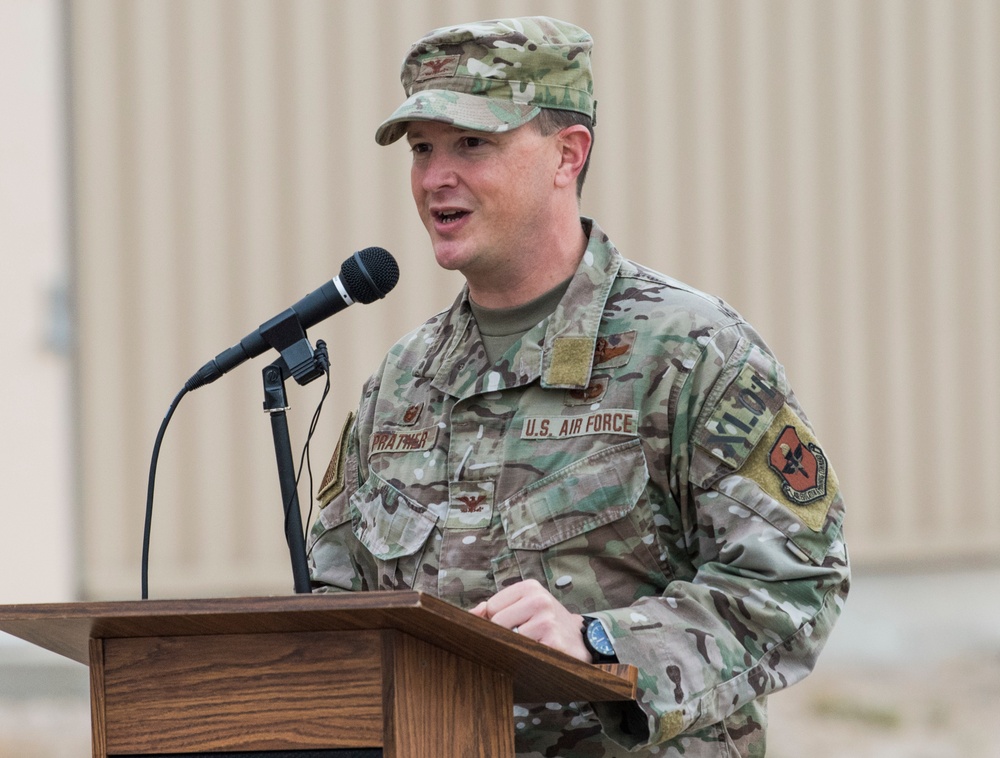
(587, 531)
(393, 529)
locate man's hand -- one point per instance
(531, 610)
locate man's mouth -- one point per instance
(449, 216)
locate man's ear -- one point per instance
(574, 147)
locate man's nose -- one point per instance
(439, 171)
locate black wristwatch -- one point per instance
(595, 637)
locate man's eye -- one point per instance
(420, 147)
(474, 141)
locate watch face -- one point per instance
(598, 638)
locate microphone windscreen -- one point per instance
(369, 274)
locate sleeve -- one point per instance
(760, 517)
(337, 561)
(331, 566)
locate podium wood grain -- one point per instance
(402, 671)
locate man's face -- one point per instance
(485, 199)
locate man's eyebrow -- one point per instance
(415, 134)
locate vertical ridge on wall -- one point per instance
(204, 69)
(946, 309)
(985, 125)
(754, 183)
(851, 343)
(148, 38)
(100, 286)
(888, 248)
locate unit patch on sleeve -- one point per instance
(791, 467)
(800, 465)
(743, 415)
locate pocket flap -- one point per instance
(390, 524)
(589, 493)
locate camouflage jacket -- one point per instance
(640, 454)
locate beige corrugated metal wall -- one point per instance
(830, 168)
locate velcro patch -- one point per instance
(614, 350)
(570, 364)
(395, 441)
(790, 466)
(333, 480)
(592, 393)
(624, 422)
(433, 68)
(470, 505)
(743, 414)
(411, 414)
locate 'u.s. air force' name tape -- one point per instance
(624, 422)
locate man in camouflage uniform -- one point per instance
(580, 437)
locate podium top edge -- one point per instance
(196, 606)
(68, 629)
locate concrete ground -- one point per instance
(44, 703)
(912, 669)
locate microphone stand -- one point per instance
(299, 361)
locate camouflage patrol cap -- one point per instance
(493, 76)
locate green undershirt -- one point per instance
(502, 327)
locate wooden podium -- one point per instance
(399, 674)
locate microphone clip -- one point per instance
(285, 334)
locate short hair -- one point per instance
(552, 120)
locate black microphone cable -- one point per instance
(305, 463)
(151, 483)
(366, 276)
(306, 460)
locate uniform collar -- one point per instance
(559, 352)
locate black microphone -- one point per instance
(365, 277)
